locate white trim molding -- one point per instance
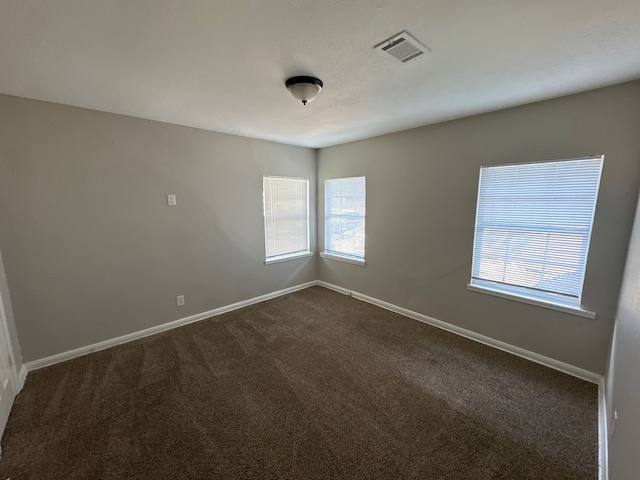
(22, 377)
(532, 301)
(335, 288)
(603, 432)
(506, 347)
(344, 258)
(520, 352)
(603, 470)
(78, 352)
(287, 257)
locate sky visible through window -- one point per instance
(345, 209)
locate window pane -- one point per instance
(533, 225)
(286, 216)
(345, 210)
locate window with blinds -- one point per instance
(286, 217)
(533, 226)
(345, 208)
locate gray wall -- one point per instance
(90, 247)
(623, 379)
(92, 251)
(421, 199)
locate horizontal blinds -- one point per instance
(286, 215)
(533, 224)
(345, 211)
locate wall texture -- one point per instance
(90, 247)
(421, 199)
(623, 379)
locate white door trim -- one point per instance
(14, 378)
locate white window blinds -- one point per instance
(286, 216)
(533, 226)
(345, 208)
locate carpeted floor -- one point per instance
(310, 385)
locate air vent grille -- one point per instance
(402, 46)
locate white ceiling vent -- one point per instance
(402, 46)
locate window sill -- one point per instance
(287, 257)
(343, 258)
(531, 301)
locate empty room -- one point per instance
(325, 240)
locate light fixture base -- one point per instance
(303, 88)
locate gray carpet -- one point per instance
(309, 385)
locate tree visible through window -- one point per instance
(533, 227)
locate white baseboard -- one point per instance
(335, 288)
(603, 431)
(520, 352)
(78, 352)
(22, 377)
(549, 362)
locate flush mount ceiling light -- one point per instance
(304, 89)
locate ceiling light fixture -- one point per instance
(304, 89)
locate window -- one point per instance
(344, 210)
(533, 225)
(286, 218)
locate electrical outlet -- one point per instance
(171, 199)
(180, 300)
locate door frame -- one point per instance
(5, 338)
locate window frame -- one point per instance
(332, 254)
(294, 254)
(554, 301)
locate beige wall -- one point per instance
(90, 247)
(623, 379)
(421, 199)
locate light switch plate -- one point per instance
(171, 199)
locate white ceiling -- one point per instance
(221, 65)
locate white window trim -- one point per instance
(344, 258)
(522, 294)
(339, 256)
(293, 255)
(531, 301)
(287, 257)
